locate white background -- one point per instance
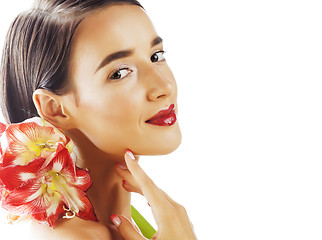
(249, 76)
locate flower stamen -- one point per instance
(50, 144)
(67, 216)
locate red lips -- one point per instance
(165, 117)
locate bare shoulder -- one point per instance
(73, 229)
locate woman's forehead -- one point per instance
(114, 28)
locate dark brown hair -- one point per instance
(36, 52)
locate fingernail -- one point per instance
(130, 154)
(116, 220)
(120, 166)
(149, 204)
(124, 181)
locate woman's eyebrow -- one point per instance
(114, 56)
(125, 53)
(156, 41)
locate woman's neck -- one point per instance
(106, 193)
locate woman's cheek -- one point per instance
(116, 128)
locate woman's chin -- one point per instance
(161, 147)
(156, 143)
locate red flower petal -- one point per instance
(14, 176)
(3, 193)
(64, 155)
(63, 163)
(87, 211)
(2, 128)
(83, 180)
(50, 220)
(8, 158)
(23, 138)
(20, 134)
(29, 200)
(26, 199)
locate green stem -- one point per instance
(145, 227)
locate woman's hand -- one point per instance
(171, 217)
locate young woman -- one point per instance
(95, 70)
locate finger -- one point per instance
(129, 188)
(126, 228)
(153, 194)
(131, 185)
(147, 186)
(126, 175)
(173, 202)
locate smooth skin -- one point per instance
(171, 217)
(106, 113)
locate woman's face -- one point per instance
(121, 80)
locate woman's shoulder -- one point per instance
(71, 229)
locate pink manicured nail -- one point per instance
(130, 154)
(120, 166)
(116, 220)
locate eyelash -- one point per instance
(117, 71)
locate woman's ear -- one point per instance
(51, 108)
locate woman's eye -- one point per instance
(158, 56)
(121, 73)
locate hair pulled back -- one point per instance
(36, 52)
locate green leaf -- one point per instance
(145, 227)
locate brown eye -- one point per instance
(121, 73)
(158, 56)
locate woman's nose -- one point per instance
(161, 86)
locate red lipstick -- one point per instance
(166, 117)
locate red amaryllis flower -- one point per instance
(38, 177)
(23, 142)
(45, 190)
(2, 129)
